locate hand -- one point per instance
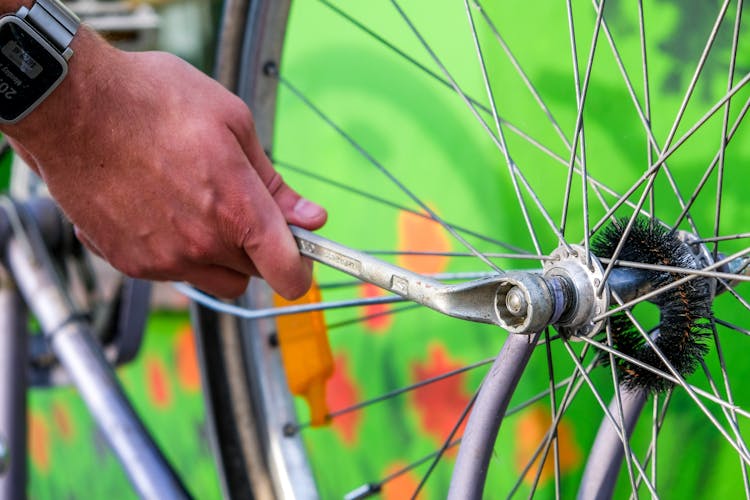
(159, 168)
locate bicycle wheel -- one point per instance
(486, 138)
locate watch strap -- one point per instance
(53, 20)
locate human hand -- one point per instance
(161, 172)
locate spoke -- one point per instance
(663, 374)
(553, 411)
(402, 390)
(573, 386)
(724, 126)
(370, 196)
(368, 317)
(669, 286)
(596, 185)
(625, 234)
(646, 104)
(491, 255)
(627, 451)
(738, 236)
(446, 443)
(654, 168)
(657, 423)
(618, 429)
(272, 312)
(731, 326)
(734, 294)
(501, 136)
(462, 276)
(514, 169)
(370, 489)
(529, 85)
(716, 161)
(696, 74)
(679, 270)
(453, 87)
(682, 383)
(540, 396)
(645, 118)
(581, 94)
(730, 414)
(379, 166)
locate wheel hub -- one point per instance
(568, 295)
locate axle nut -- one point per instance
(523, 303)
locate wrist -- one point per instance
(59, 112)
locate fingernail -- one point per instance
(306, 209)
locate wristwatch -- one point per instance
(34, 54)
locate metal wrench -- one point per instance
(475, 300)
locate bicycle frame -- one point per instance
(27, 232)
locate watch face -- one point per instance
(29, 69)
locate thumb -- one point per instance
(296, 209)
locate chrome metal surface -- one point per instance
(72, 342)
(518, 301)
(586, 275)
(472, 300)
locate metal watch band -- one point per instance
(53, 20)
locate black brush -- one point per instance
(685, 309)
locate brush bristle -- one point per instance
(685, 309)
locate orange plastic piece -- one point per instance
(306, 354)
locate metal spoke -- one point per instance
(383, 201)
(451, 86)
(369, 317)
(657, 423)
(500, 135)
(669, 286)
(446, 443)
(575, 384)
(620, 432)
(401, 390)
(646, 101)
(706, 395)
(738, 236)
(653, 168)
(272, 312)
(712, 166)
(730, 415)
(581, 94)
(380, 167)
(645, 119)
(596, 185)
(618, 402)
(724, 126)
(625, 234)
(682, 383)
(678, 270)
(553, 411)
(731, 326)
(696, 74)
(514, 170)
(370, 489)
(527, 82)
